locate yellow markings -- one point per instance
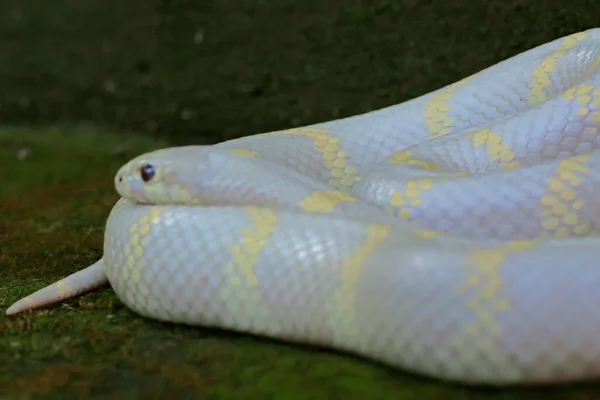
(405, 157)
(342, 173)
(242, 152)
(29, 301)
(523, 244)
(560, 203)
(596, 93)
(134, 249)
(595, 116)
(426, 233)
(583, 95)
(164, 182)
(437, 109)
(343, 311)
(246, 253)
(240, 293)
(180, 193)
(405, 200)
(483, 287)
(63, 288)
(591, 130)
(325, 201)
(497, 151)
(411, 197)
(541, 75)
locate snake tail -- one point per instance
(76, 284)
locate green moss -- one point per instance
(54, 208)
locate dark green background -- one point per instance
(261, 64)
(114, 78)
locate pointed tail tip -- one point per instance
(77, 283)
(16, 308)
(12, 310)
(22, 305)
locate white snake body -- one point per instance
(454, 235)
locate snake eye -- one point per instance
(147, 172)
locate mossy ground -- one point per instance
(53, 207)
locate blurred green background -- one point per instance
(87, 84)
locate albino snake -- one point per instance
(454, 235)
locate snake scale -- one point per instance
(454, 235)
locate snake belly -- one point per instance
(454, 235)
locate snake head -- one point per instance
(165, 176)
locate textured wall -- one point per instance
(204, 71)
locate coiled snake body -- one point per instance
(454, 235)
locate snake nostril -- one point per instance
(120, 179)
